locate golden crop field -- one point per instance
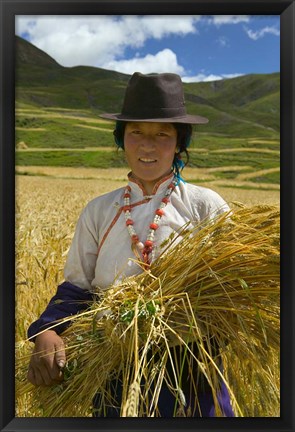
(48, 203)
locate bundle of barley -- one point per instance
(217, 286)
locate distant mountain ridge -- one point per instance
(236, 106)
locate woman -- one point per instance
(117, 230)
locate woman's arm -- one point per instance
(49, 357)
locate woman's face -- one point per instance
(150, 150)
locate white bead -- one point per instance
(131, 230)
(140, 246)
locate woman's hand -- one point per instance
(48, 359)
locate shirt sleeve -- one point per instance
(81, 260)
(73, 295)
(216, 205)
(67, 301)
(208, 204)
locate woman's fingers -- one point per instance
(47, 359)
(60, 355)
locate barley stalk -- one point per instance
(223, 286)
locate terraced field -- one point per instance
(54, 137)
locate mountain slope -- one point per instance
(243, 106)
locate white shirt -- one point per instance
(101, 254)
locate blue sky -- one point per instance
(198, 48)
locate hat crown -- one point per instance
(154, 96)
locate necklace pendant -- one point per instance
(146, 261)
(140, 246)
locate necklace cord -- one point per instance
(144, 251)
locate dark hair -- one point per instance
(184, 135)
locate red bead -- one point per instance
(160, 212)
(127, 195)
(135, 238)
(148, 244)
(154, 226)
(165, 200)
(147, 251)
(129, 222)
(126, 208)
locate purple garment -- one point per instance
(207, 404)
(68, 300)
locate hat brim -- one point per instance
(189, 119)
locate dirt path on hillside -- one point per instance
(59, 116)
(248, 176)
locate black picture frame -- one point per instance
(9, 9)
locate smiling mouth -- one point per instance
(147, 160)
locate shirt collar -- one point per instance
(159, 188)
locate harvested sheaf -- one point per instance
(217, 286)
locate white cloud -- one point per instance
(219, 20)
(223, 41)
(161, 62)
(255, 35)
(211, 77)
(160, 26)
(97, 40)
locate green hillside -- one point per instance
(230, 104)
(57, 109)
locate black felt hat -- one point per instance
(155, 98)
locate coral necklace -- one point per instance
(146, 248)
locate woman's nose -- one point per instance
(148, 141)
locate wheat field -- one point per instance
(48, 204)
